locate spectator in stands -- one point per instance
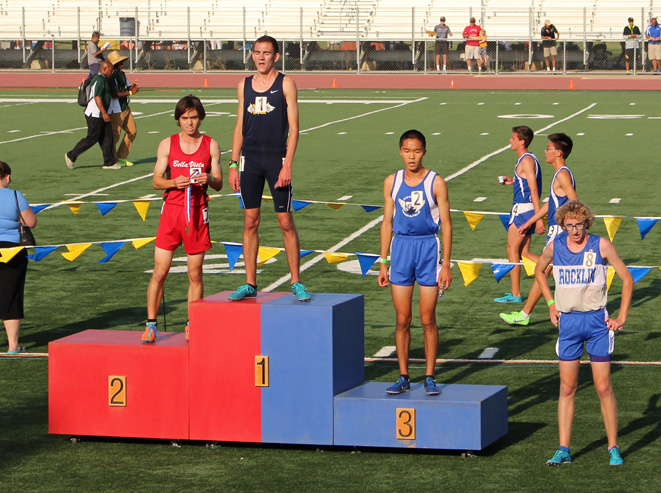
(95, 54)
(121, 117)
(442, 45)
(631, 33)
(549, 35)
(653, 36)
(472, 36)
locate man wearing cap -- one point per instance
(630, 34)
(549, 35)
(472, 36)
(120, 113)
(442, 45)
(653, 36)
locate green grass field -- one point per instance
(348, 145)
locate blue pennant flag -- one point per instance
(37, 208)
(366, 261)
(41, 252)
(505, 219)
(105, 207)
(638, 273)
(645, 225)
(299, 204)
(111, 248)
(241, 204)
(370, 208)
(233, 251)
(306, 252)
(500, 270)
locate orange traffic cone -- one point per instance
(206, 83)
(452, 86)
(334, 86)
(571, 84)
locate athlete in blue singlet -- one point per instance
(563, 188)
(580, 266)
(415, 206)
(263, 147)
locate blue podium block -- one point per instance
(315, 351)
(462, 417)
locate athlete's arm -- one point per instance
(528, 166)
(291, 95)
(609, 253)
(161, 166)
(237, 140)
(386, 229)
(563, 184)
(540, 276)
(215, 178)
(443, 201)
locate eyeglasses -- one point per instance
(578, 227)
(550, 149)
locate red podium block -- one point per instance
(225, 337)
(110, 383)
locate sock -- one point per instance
(438, 67)
(152, 320)
(405, 377)
(564, 449)
(525, 315)
(480, 68)
(253, 285)
(614, 446)
(429, 376)
(444, 67)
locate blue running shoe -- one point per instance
(243, 292)
(151, 332)
(560, 457)
(430, 386)
(300, 292)
(615, 457)
(401, 385)
(509, 298)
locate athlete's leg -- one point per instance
(292, 245)
(402, 299)
(535, 294)
(568, 385)
(12, 327)
(515, 245)
(601, 374)
(251, 219)
(428, 298)
(162, 263)
(196, 286)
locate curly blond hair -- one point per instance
(577, 210)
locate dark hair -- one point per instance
(96, 33)
(269, 39)
(524, 133)
(186, 103)
(563, 143)
(4, 169)
(413, 134)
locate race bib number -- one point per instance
(194, 172)
(242, 163)
(589, 259)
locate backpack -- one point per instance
(84, 93)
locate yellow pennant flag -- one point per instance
(75, 251)
(9, 253)
(74, 207)
(473, 218)
(266, 198)
(529, 266)
(142, 242)
(142, 206)
(264, 254)
(610, 274)
(334, 258)
(335, 205)
(612, 224)
(469, 271)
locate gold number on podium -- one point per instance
(405, 424)
(117, 390)
(261, 371)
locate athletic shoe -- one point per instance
(509, 298)
(615, 457)
(151, 332)
(68, 161)
(114, 166)
(300, 292)
(401, 385)
(187, 329)
(515, 318)
(560, 457)
(125, 162)
(243, 292)
(430, 386)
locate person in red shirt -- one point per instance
(187, 163)
(472, 36)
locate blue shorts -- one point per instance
(589, 328)
(520, 214)
(415, 258)
(256, 168)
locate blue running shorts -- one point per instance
(415, 258)
(589, 328)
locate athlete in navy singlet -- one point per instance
(416, 206)
(580, 266)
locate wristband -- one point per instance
(130, 93)
(212, 178)
(383, 260)
(550, 302)
(234, 164)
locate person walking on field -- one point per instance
(122, 118)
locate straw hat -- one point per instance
(114, 57)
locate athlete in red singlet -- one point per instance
(187, 164)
